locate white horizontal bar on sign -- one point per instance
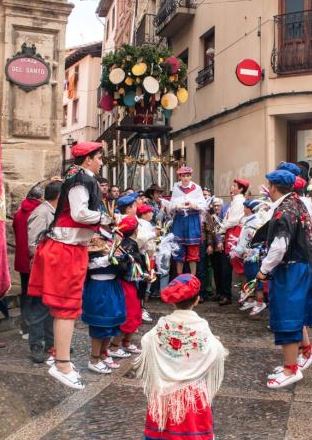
(249, 72)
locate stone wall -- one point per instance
(30, 123)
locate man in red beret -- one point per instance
(61, 259)
(231, 228)
(181, 366)
(187, 202)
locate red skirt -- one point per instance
(57, 275)
(133, 308)
(196, 426)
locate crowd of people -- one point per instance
(87, 249)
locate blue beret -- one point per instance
(251, 204)
(127, 200)
(289, 166)
(281, 177)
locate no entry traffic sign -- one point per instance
(248, 72)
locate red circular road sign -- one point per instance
(248, 72)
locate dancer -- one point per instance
(133, 271)
(187, 202)
(103, 305)
(288, 260)
(181, 366)
(61, 259)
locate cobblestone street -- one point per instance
(34, 406)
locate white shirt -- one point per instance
(235, 213)
(278, 246)
(78, 198)
(195, 198)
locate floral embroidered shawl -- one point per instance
(181, 361)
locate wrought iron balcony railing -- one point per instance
(292, 50)
(169, 10)
(206, 75)
(146, 32)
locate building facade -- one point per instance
(81, 93)
(30, 122)
(231, 129)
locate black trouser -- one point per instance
(39, 322)
(24, 287)
(222, 270)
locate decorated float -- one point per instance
(146, 84)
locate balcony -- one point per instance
(206, 75)
(174, 15)
(292, 51)
(146, 32)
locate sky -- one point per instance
(83, 25)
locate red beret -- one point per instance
(183, 287)
(185, 170)
(128, 225)
(85, 148)
(300, 183)
(242, 182)
(144, 209)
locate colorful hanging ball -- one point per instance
(151, 85)
(106, 102)
(182, 95)
(169, 101)
(129, 99)
(116, 76)
(139, 69)
(174, 64)
(129, 81)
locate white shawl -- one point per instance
(181, 361)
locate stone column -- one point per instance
(30, 122)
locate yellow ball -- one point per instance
(182, 95)
(129, 81)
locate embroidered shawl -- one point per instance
(181, 361)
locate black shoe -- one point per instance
(37, 353)
(225, 302)
(215, 297)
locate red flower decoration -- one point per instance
(175, 343)
(180, 327)
(167, 327)
(193, 333)
(194, 344)
(278, 215)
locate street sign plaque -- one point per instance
(27, 69)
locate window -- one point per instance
(206, 75)
(107, 29)
(292, 50)
(113, 18)
(75, 111)
(65, 114)
(206, 158)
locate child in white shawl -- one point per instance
(181, 366)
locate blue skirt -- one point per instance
(187, 228)
(103, 332)
(103, 303)
(288, 296)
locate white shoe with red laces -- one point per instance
(133, 349)
(119, 354)
(281, 380)
(109, 361)
(258, 308)
(248, 305)
(303, 362)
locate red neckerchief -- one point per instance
(188, 189)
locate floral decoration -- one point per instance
(178, 340)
